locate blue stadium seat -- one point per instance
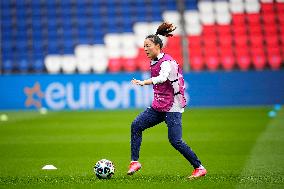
(7, 66)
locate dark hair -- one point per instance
(164, 29)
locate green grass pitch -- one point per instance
(241, 147)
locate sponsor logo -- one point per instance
(87, 95)
(34, 96)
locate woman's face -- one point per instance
(151, 50)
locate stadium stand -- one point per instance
(70, 36)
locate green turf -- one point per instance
(240, 147)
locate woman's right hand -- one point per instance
(137, 82)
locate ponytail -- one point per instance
(164, 29)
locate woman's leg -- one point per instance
(173, 121)
(144, 120)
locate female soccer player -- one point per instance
(168, 103)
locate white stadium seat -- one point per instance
(172, 16)
(82, 51)
(98, 51)
(191, 17)
(237, 7)
(84, 65)
(252, 6)
(223, 18)
(112, 40)
(68, 64)
(236, 1)
(99, 65)
(142, 28)
(206, 6)
(128, 40)
(207, 18)
(53, 63)
(221, 6)
(99, 58)
(195, 29)
(129, 52)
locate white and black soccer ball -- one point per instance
(104, 169)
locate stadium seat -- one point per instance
(225, 41)
(227, 62)
(194, 41)
(237, 7)
(129, 64)
(267, 8)
(211, 59)
(256, 40)
(255, 30)
(252, 6)
(68, 64)
(271, 40)
(224, 30)
(174, 42)
(258, 58)
(142, 61)
(253, 19)
(274, 61)
(53, 63)
(268, 18)
(243, 59)
(196, 62)
(114, 64)
(238, 19)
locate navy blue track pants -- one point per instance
(150, 118)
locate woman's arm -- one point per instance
(162, 77)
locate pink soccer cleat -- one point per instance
(198, 172)
(134, 167)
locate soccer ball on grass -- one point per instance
(104, 169)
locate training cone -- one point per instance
(49, 167)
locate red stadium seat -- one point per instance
(195, 51)
(210, 41)
(142, 61)
(194, 41)
(212, 62)
(209, 30)
(241, 41)
(225, 41)
(258, 60)
(280, 17)
(174, 42)
(129, 64)
(114, 64)
(255, 30)
(227, 60)
(243, 59)
(271, 40)
(239, 30)
(211, 59)
(267, 7)
(281, 29)
(224, 30)
(268, 18)
(196, 62)
(253, 19)
(238, 19)
(279, 7)
(256, 40)
(270, 30)
(274, 61)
